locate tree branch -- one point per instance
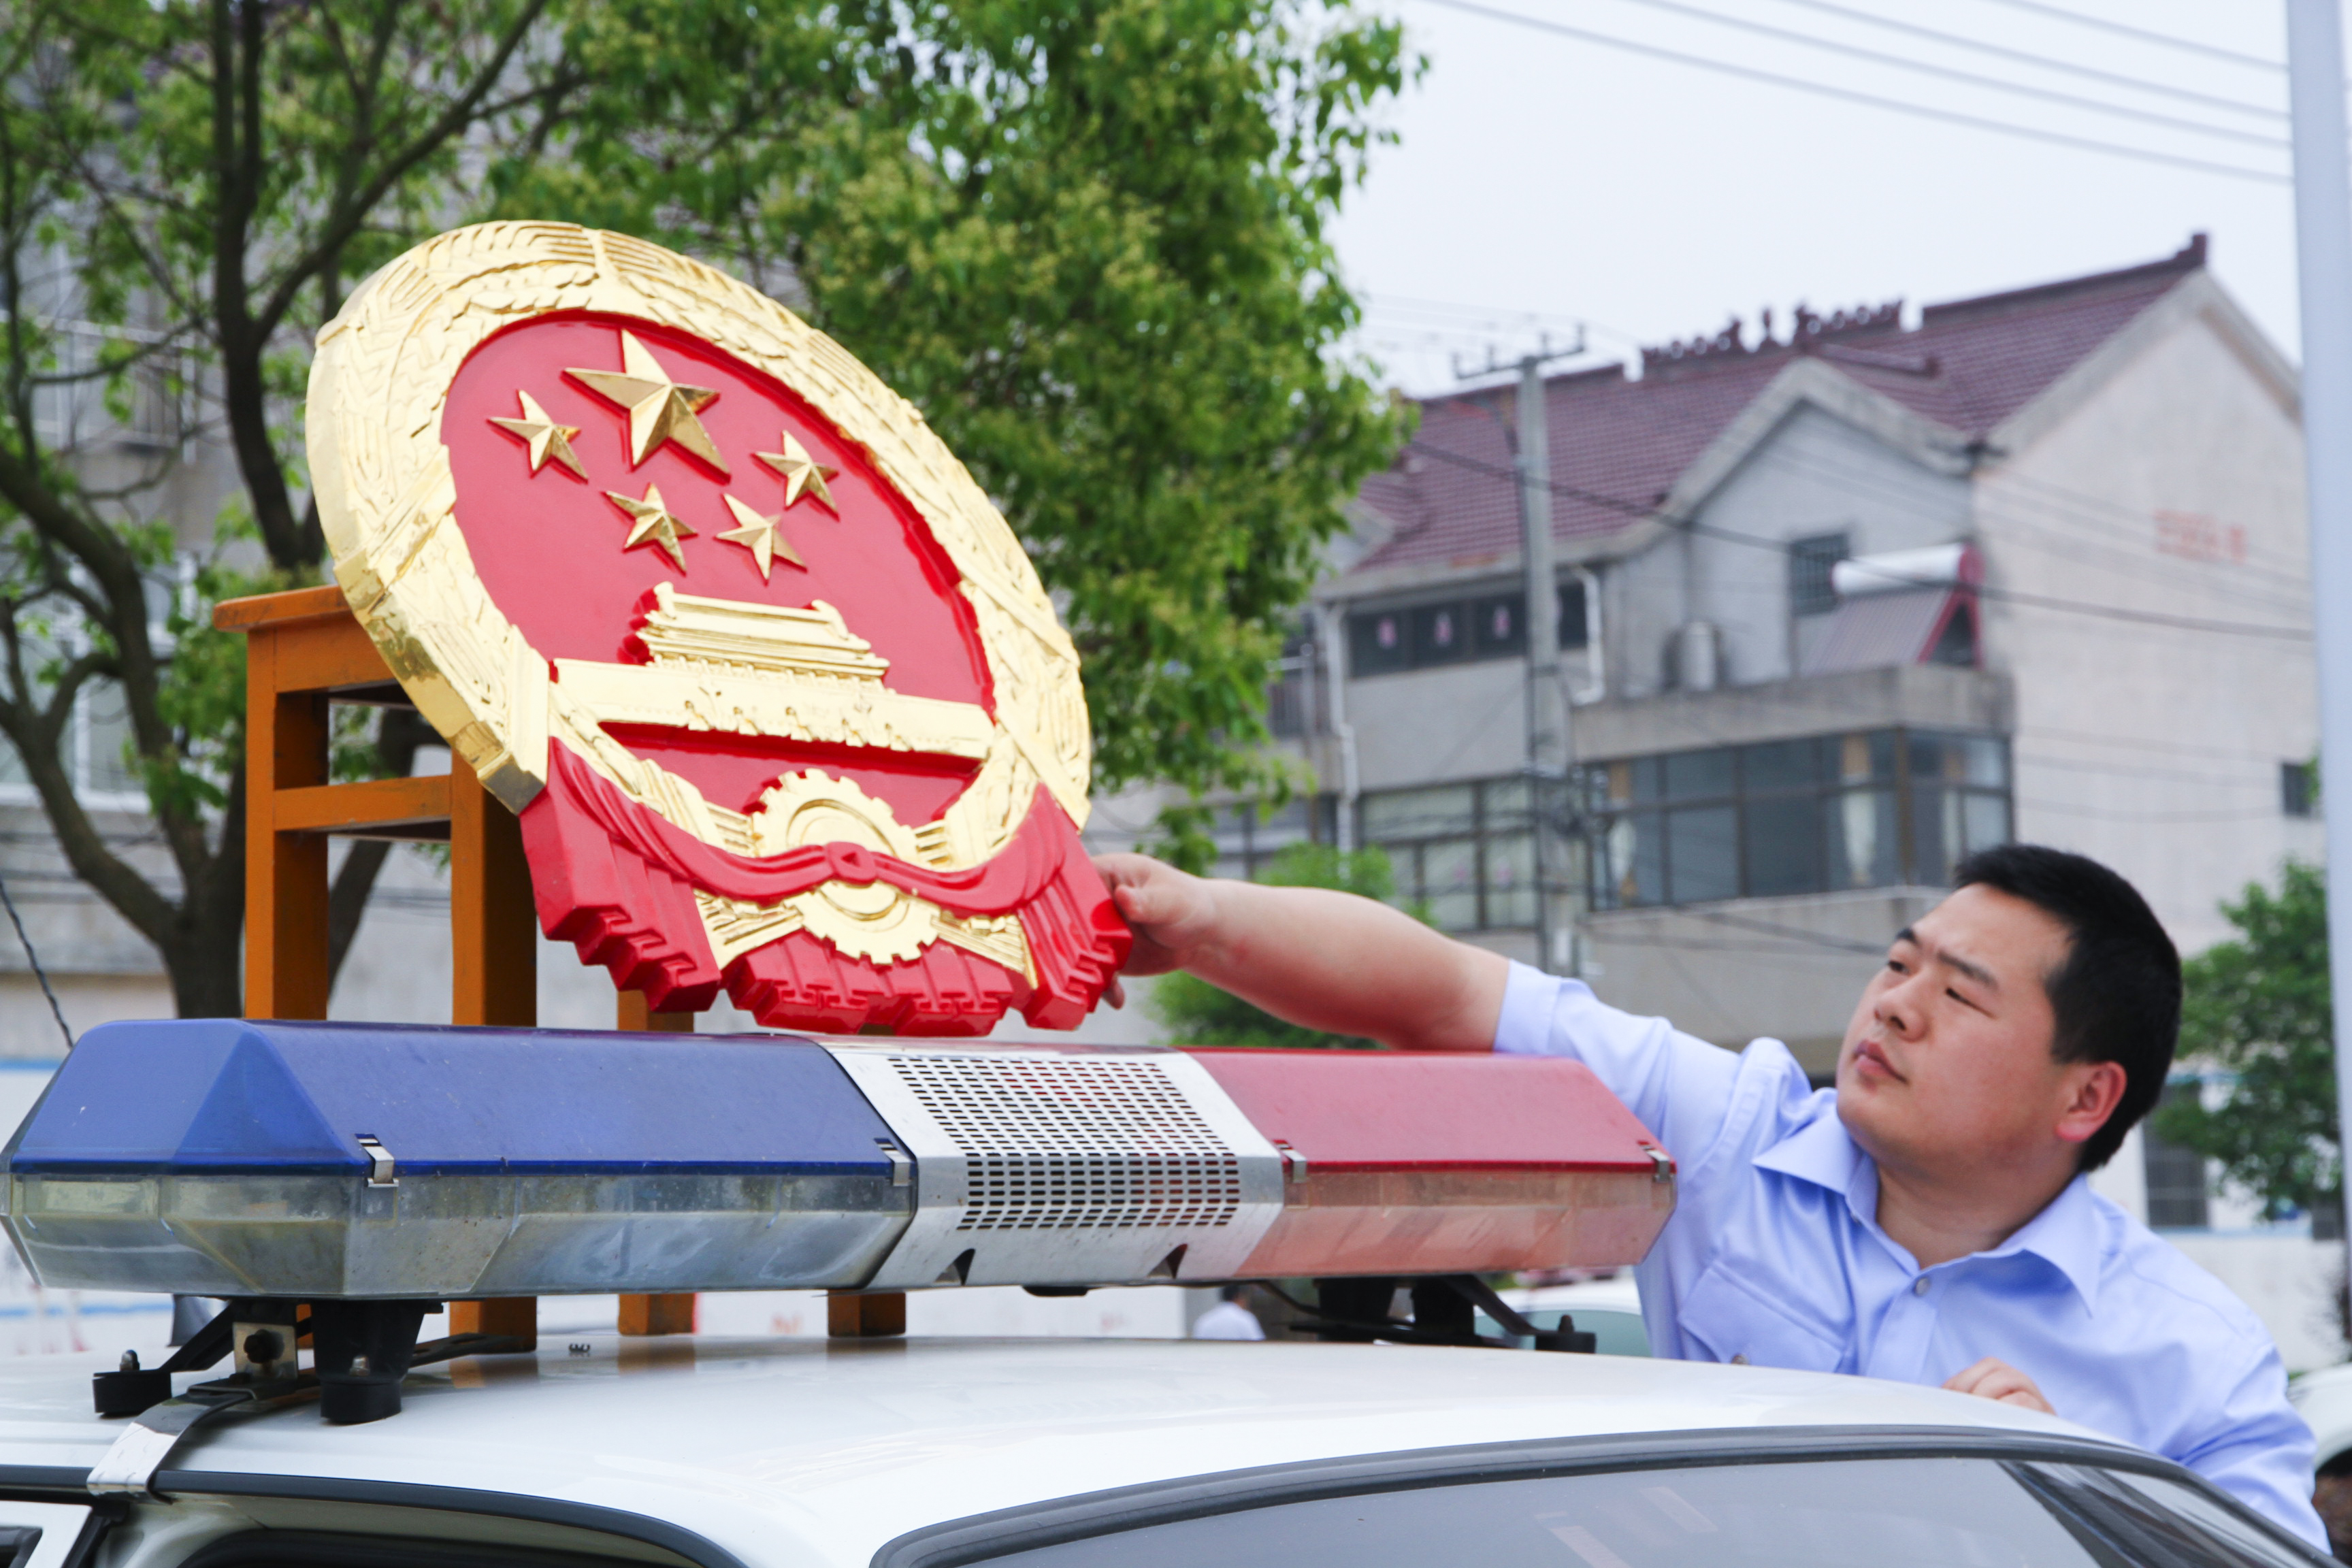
(343, 226)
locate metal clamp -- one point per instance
(130, 1466)
(902, 1166)
(380, 1162)
(1662, 1164)
(1294, 1164)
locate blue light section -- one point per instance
(217, 1095)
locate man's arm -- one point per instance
(1321, 959)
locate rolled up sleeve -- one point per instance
(1679, 1085)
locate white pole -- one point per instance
(1547, 756)
(2323, 223)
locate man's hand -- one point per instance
(1171, 912)
(1996, 1380)
(1321, 959)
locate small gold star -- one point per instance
(659, 409)
(655, 524)
(760, 536)
(544, 436)
(802, 473)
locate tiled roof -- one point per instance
(1618, 446)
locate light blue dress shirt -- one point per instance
(1774, 1256)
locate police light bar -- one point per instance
(323, 1162)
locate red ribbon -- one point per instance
(1003, 884)
(616, 879)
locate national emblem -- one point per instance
(849, 793)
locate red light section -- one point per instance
(1446, 1165)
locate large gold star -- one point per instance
(656, 523)
(660, 409)
(802, 473)
(542, 435)
(759, 535)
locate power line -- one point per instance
(2061, 508)
(2043, 62)
(1849, 95)
(2070, 518)
(1779, 546)
(1951, 73)
(2144, 35)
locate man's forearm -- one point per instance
(1351, 966)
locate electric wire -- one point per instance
(1972, 79)
(1779, 546)
(33, 958)
(2059, 507)
(1869, 100)
(2043, 62)
(2144, 34)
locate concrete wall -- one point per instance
(2156, 748)
(1930, 695)
(1815, 473)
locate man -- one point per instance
(1928, 1220)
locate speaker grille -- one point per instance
(1068, 1143)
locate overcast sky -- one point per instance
(1542, 175)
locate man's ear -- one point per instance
(2097, 1088)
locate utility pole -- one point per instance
(2323, 227)
(1549, 712)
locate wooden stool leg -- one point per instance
(285, 873)
(515, 1317)
(654, 1314)
(878, 1316)
(494, 953)
(493, 925)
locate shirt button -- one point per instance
(1919, 1286)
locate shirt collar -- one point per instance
(2064, 1235)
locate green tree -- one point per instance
(2257, 1008)
(1195, 1013)
(1086, 238)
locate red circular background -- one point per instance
(548, 546)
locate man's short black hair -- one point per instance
(2116, 994)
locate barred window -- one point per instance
(1816, 814)
(1465, 851)
(1810, 561)
(1454, 631)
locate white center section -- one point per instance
(1066, 1167)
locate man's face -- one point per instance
(1947, 1065)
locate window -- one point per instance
(1294, 696)
(2017, 1503)
(1441, 634)
(1458, 631)
(1466, 850)
(2299, 789)
(2176, 1177)
(1810, 561)
(1816, 814)
(1248, 835)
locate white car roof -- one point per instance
(816, 1452)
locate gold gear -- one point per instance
(872, 920)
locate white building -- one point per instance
(2088, 625)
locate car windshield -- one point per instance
(1869, 1513)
